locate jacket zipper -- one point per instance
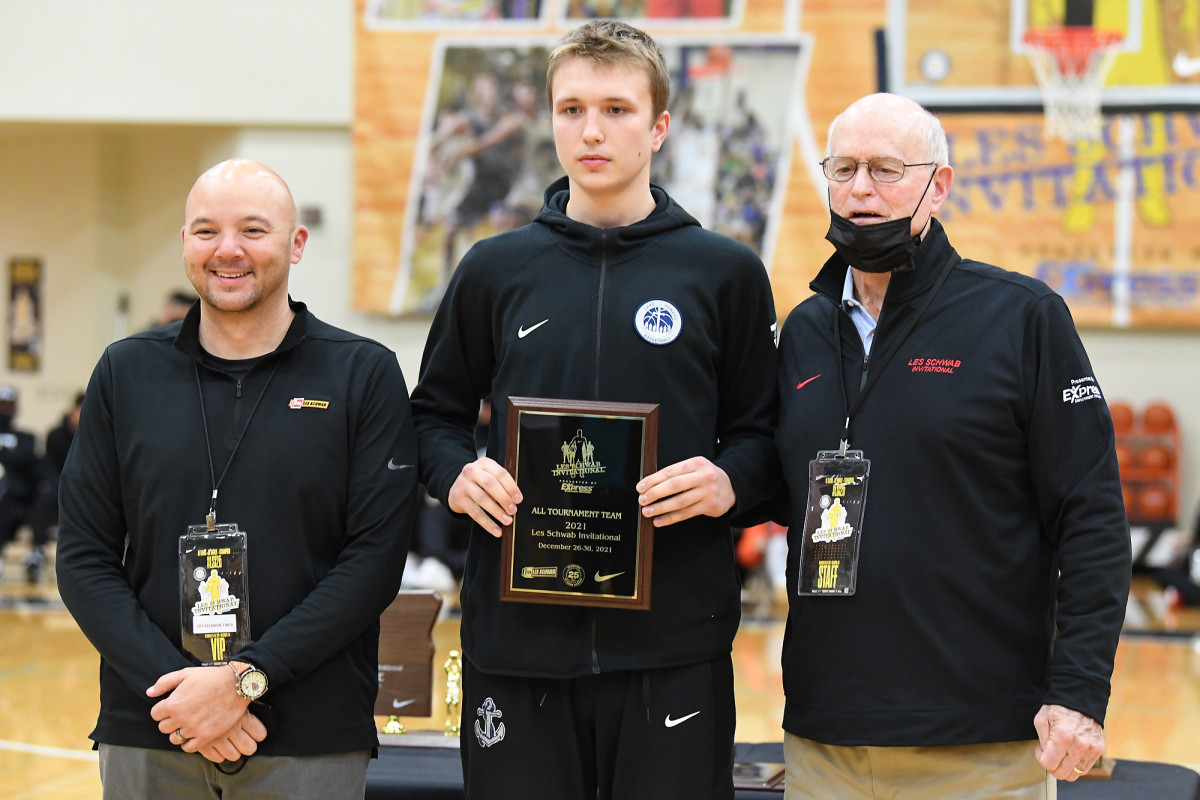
(866, 359)
(596, 395)
(595, 655)
(600, 313)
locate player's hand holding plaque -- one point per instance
(579, 537)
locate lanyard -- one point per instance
(211, 518)
(851, 410)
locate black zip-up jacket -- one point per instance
(325, 493)
(574, 291)
(993, 513)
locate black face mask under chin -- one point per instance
(875, 248)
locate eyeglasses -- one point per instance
(882, 170)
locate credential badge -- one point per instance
(490, 732)
(658, 321)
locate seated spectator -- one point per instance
(22, 470)
(45, 514)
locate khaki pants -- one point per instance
(1002, 771)
(140, 773)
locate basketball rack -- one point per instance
(1071, 63)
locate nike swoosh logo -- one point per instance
(523, 331)
(403, 703)
(393, 465)
(671, 723)
(802, 384)
(1185, 67)
(602, 578)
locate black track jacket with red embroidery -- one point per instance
(994, 513)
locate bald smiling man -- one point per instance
(235, 514)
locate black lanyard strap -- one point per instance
(211, 519)
(873, 376)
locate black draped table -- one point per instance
(434, 773)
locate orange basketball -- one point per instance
(1130, 494)
(752, 546)
(1155, 457)
(1122, 416)
(1126, 457)
(1153, 503)
(1158, 418)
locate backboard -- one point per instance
(951, 55)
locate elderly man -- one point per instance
(235, 514)
(952, 630)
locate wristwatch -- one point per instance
(251, 682)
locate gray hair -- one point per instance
(929, 130)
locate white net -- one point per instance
(1071, 65)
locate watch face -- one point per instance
(253, 684)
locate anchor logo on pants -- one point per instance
(491, 732)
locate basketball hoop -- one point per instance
(1071, 63)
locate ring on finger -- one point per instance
(1079, 771)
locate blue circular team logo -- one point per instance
(658, 321)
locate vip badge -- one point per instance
(214, 607)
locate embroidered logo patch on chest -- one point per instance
(946, 366)
(658, 321)
(301, 402)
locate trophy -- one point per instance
(579, 537)
(453, 668)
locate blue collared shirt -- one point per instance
(862, 318)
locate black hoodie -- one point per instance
(574, 290)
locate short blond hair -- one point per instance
(610, 41)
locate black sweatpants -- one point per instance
(653, 734)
